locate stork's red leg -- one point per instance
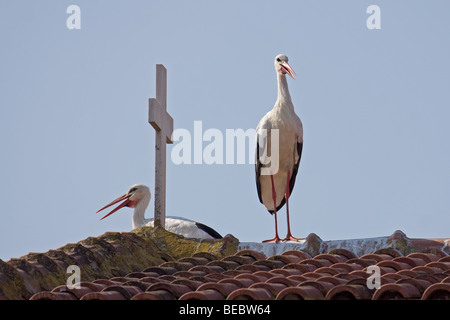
(274, 197)
(287, 195)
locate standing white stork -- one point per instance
(275, 188)
(138, 197)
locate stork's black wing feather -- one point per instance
(258, 166)
(213, 233)
(293, 176)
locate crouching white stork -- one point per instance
(138, 197)
(276, 184)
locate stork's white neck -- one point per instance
(139, 213)
(284, 98)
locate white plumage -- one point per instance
(275, 188)
(138, 197)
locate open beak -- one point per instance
(125, 197)
(287, 69)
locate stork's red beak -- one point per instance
(287, 69)
(125, 197)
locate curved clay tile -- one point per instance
(286, 258)
(333, 258)
(242, 283)
(393, 253)
(126, 291)
(271, 264)
(324, 271)
(161, 270)
(224, 288)
(396, 291)
(411, 261)
(203, 295)
(251, 253)
(343, 252)
(349, 292)
(427, 257)
(376, 257)
(266, 274)
(349, 267)
(289, 282)
(318, 263)
(154, 295)
(103, 295)
(300, 293)
(333, 280)
(303, 268)
(225, 265)
(396, 265)
(392, 277)
(420, 284)
(285, 272)
(240, 259)
(192, 284)
(46, 295)
(208, 269)
(250, 294)
(252, 277)
(179, 265)
(274, 288)
(322, 286)
(444, 266)
(300, 254)
(195, 261)
(408, 273)
(177, 290)
(78, 293)
(437, 291)
(208, 255)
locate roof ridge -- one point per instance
(112, 254)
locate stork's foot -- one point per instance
(289, 237)
(276, 239)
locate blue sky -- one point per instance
(73, 114)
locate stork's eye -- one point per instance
(278, 59)
(133, 189)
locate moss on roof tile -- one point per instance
(109, 255)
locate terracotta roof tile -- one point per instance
(250, 294)
(338, 274)
(400, 291)
(103, 295)
(300, 293)
(437, 291)
(46, 295)
(154, 295)
(203, 295)
(349, 292)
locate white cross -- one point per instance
(162, 122)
